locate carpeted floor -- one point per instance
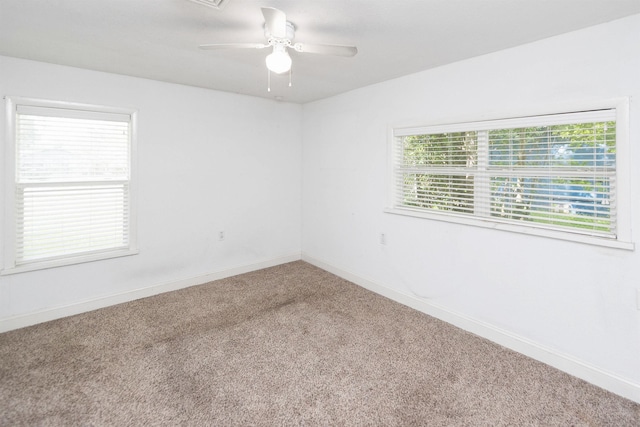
(288, 345)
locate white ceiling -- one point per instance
(158, 39)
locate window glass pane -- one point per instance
(438, 192)
(53, 149)
(445, 149)
(573, 145)
(591, 145)
(70, 220)
(582, 203)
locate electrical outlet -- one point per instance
(221, 235)
(383, 239)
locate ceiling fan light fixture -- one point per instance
(279, 60)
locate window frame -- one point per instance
(10, 265)
(623, 238)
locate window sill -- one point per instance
(41, 265)
(533, 231)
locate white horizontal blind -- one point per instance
(436, 171)
(72, 182)
(555, 172)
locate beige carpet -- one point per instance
(289, 345)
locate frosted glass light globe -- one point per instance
(279, 61)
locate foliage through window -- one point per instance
(555, 172)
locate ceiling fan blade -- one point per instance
(275, 21)
(233, 46)
(326, 49)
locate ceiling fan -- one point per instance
(280, 34)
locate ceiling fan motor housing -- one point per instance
(290, 33)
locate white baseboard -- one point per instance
(558, 360)
(21, 321)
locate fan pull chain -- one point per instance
(268, 80)
(289, 77)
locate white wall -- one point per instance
(207, 161)
(575, 300)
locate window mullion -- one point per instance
(482, 187)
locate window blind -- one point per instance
(556, 171)
(71, 182)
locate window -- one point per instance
(69, 181)
(555, 175)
